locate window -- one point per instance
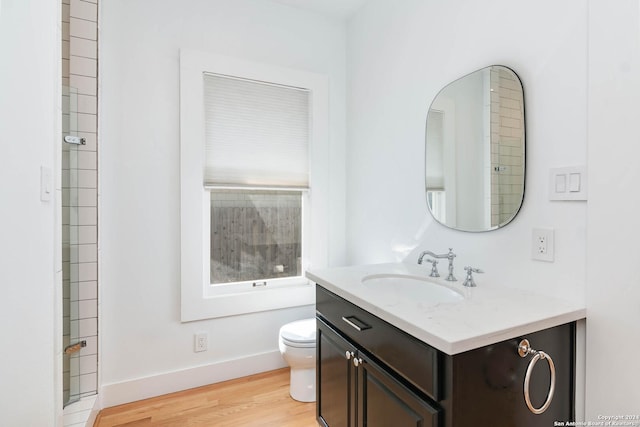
(251, 134)
(256, 235)
(256, 134)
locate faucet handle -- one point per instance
(434, 267)
(469, 282)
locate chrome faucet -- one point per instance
(450, 256)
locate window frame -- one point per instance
(198, 301)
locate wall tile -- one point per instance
(66, 308)
(66, 327)
(73, 312)
(87, 122)
(65, 72)
(87, 159)
(88, 253)
(79, 29)
(66, 31)
(66, 11)
(87, 308)
(88, 290)
(87, 178)
(85, 85)
(87, 197)
(88, 364)
(87, 327)
(87, 271)
(83, 28)
(74, 382)
(87, 234)
(87, 216)
(82, 66)
(71, 232)
(88, 383)
(92, 345)
(73, 273)
(84, 10)
(83, 47)
(73, 328)
(72, 253)
(66, 49)
(87, 104)
(73, 290)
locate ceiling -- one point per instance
(340, 9)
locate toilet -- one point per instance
(297, 342)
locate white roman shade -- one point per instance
(257, 133)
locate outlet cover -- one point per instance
(542, 245)
(201, 342)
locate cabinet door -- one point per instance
(335, 383)
(385, 402)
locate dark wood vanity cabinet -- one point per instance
(356, 391)
(369, 373)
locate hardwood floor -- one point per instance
(258, 400)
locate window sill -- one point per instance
(247, 301)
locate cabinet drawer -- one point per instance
(414, 360)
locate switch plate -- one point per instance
(542, 245)
(568, 183)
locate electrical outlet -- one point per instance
(542, 244)
(201, 342)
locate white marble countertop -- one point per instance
(485, 315)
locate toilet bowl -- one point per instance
(297, 343)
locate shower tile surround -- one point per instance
(79, 212)
(506, 146)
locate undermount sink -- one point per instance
(394, 287)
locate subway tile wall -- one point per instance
(79, 201)
(507, 136)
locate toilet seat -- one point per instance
(301, 333)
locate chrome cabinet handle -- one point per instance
(353, 325)
(357, 361)
(525, 349)
(348, 354)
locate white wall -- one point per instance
(400, 54)
(140, 329)
(581, 82)
(30, 307)
(613, 285)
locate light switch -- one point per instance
(46, 184)
(574, 182)
(568, 183)
(561, 183)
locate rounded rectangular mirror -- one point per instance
(475, 149)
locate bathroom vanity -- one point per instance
(390, 357)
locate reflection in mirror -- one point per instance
(475, 147)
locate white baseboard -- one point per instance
(157, 385)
